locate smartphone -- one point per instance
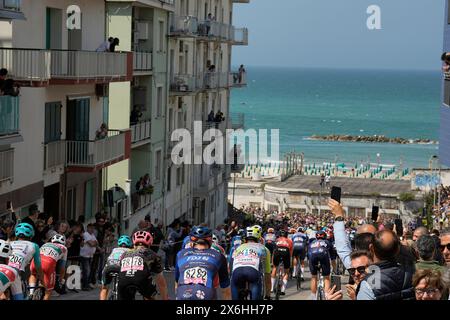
(399, 226)
(336, 281)
(336, 194)
(375, 210)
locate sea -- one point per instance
(302, 102)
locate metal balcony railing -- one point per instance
(183, 83)
(240, 36)
(183, 25)
(237, 121)
(9, 115)
(237, 79)
(44, 65)
(6, 165)
(140, 131)
(10, 5)
(140, 201)
(85, 153)
(142, 61)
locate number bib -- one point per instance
(50, 252)
(16, 261)
(196, 275)
(132, 263)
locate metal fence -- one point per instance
(140, 131)
(6, 165)
(142, 61)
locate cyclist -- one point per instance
(24, 251)
(9, 277)
(200, 269)
(138, 267)
(282, 254)
(333, 251)
(300, 242)
(53, 258)
(319, 252)
(269, 239)
(292, 231)
(251, 265)
(113, 263)
(216, 246)
(236, 241)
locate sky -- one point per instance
(334, 34)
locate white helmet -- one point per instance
(59, 238)
(5, 249)
(215, 239)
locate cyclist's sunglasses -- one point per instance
(360, 269)
(443, 246)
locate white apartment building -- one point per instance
(200, 47)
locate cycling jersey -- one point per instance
(253, 255)
(187, 242)
(116, 254)
(9, 278)
(23, 252)
(137, 268)
(53, 255)
(197, 273)
(218, 248)
(300, 240)
(270, 237)
(319, 252)
(236, 241)
(283, 242)
(112, 264)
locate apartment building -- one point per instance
(444, 137)
(201, 37)
(52, 151)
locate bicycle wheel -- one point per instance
(299, 278)
(320, 293)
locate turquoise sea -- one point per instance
(304, 102)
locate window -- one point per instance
(169, 178)
(158, 165)
(161, 36)
(159, 101)
(52, 122)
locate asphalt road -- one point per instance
(291, 290)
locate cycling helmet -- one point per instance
(59, 238)
(292, 230)
(321, 235)
(253, 233)
(259, 227)
(25, 230)
(125, 241)
(215, 239)
(241, 232)
(283, 233)
(301, 229)
(201, 233)
(5, 249)
(271, 230)
(142, 237)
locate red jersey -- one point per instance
(283, 242)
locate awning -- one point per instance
(11, 15)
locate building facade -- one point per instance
(444, 136)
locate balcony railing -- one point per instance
(10, 5)
(140, 131)
(183, 83)
(45, 65)
(237, 79)
(241, 1)
(237, 121)
(240, 36)
(183, 25)
(89, 154)
(142, 61)
(140, 201)
(6, 165)
(9, 115)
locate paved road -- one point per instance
(291, 291)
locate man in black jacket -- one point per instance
(33, 214)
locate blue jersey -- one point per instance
(187, 242)
(300, 240)
(207, 268)
(319, 247)
(236, 241)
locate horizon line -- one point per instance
(337, 68)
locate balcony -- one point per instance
(241, 1)
(88, 156)
(214, 31)
(183, 26)
(183, 84)
(237, 80)
(35, 67)
(9, 116)
(237, 121)
(10, 10)
(140, 133)
(240, 36)
(140, 201)
(142, 62)
(6, 165)
(212, 80)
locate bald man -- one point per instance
(420, 231)
(389, 281)
(367, 228)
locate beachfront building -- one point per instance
(142, 27)
(65, 138)
(444, 137)
(201, 37)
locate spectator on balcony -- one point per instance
(139, 185)
(211, 116)
(208, 21)
(136, 114)
(112, 47)
(8, 88)
(446, 59)
(105, 46)
(102, 133)
(3, 73)
(147, 181)
(241, 73)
